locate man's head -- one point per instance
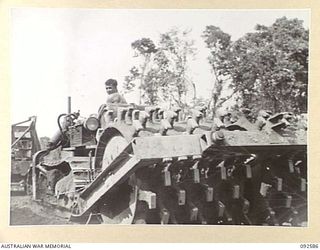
(111, 86)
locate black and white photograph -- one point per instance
(159, 116)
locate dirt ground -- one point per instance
(24, 211)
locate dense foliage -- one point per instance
(264, 69)
(163, 72)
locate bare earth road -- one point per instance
(24, 211)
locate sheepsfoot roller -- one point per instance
(133, 164)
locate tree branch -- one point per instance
(227, 98)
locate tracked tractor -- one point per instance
(132, 164)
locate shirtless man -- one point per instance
(113, 94)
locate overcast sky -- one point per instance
(58, 53)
